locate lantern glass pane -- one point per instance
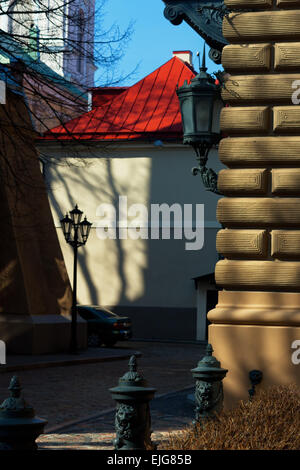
(67, 229)
(66, 225)
(76, 215)
(72, 233)
(83, 230)
(85, 227)
(203, 114)
(218, 105)
(80, 238)
(187, 116)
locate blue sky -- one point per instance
(154, 37)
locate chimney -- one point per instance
(101, 95)
(185, 56)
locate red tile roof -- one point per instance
(148, 110)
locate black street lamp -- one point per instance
(200, 106)
(76, 234)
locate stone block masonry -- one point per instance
(256, 319)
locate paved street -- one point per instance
(67, 393)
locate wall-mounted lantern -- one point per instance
(200, 106)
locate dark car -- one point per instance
(104, 326)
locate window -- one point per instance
(20, 19)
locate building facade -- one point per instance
(60, 34)
(35, 292)
(129, 146)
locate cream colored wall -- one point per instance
(146, 273)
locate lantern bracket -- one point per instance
(208, 175)
(205, 17)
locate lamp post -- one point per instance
(200, 106)
(76, 234)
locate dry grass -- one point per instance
(270, 422)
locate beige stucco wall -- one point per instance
(133, 273)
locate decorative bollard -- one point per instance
(19, 427)
(133, 419)
(209, 387)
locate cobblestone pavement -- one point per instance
(169, 414)
(68, 393)
(92, 355)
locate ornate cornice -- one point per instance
(205, 17)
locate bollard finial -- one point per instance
(209, 350)
(16, 401)
(132, 375)
(132, 363)
(15, 387)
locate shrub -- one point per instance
(270, 422)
